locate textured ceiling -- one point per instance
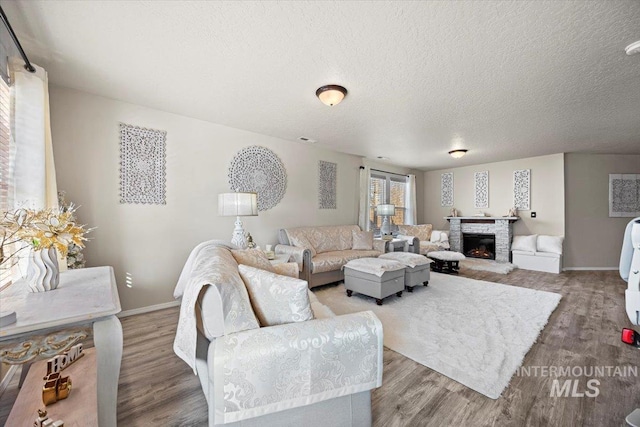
(503, 79)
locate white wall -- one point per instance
(593, 239)
(151, 242)
(547, 194)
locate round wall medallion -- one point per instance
(258, 169)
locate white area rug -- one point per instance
(474, 332)
(488, 265)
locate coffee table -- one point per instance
(446, 261)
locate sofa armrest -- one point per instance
(260, 371)
(414, 243)
(301, 256)
(287, 269)
(380, 245)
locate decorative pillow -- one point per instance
(301, 241)
(444, 237)
(422, 231)
(524, 243)
(252, 257)
(362, 240)
(435, 236)
(276, 299)
(551, 244)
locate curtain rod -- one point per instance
(392, 173)
(30, 68)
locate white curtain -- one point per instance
(410, 202)
(365, 198)
(32, 158)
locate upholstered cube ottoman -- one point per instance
(416, 270)
(374, 277)
(446, 261)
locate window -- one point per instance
(6, 187)
(387, 188)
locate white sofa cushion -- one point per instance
(276, 299)
(362, 240)
(435, 236)
(407, 258)
(331, 261)
(551, 244)
(524, 243)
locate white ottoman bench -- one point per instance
(446, 261)
(416, 270)
(374, 277)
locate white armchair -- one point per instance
(318, 372)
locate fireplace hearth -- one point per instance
(481, 246)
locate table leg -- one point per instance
(107, 338)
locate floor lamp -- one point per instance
(386, 211)
(238, 204)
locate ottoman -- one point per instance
(416, 270)
(374, 277)
(446, 261)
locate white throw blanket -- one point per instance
(407, 258)
(377, 266)
(188, 287)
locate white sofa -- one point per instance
(537, 253)
(423, 238)
(322, 251)
(315, 373)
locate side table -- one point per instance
(396, 245)
(49, 323)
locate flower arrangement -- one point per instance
(40, 229)
(75, 258)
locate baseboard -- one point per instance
(7, 378)
(590, 269)
(148, 309)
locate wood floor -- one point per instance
(157, 388)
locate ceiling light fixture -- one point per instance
(331, 94)
(633, 48)
(456, 154)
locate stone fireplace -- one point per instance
(500, 227)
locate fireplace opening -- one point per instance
(479, 245)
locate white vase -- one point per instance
(43, 273)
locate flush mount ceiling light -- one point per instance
(331, 94)
(456, 154)
(633, 48)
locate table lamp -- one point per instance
(385, 211)
(238, 204)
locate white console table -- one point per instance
(49, 323)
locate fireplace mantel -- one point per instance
(482, 218)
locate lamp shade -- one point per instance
(386, 210)
(238, 204)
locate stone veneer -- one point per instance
(502, 228)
